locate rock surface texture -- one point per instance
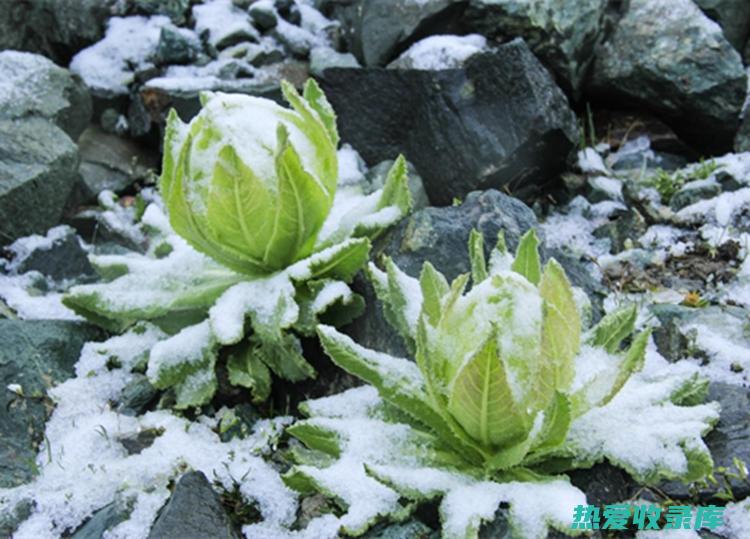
(666, 55)
(500, 122)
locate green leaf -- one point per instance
(632, 362)
(557, 419)
(247, 369)
(434, 288)
(319, 103)
(327, 301)
(401, 297)
(396, 188)
(527, 258)
(397, 380)
(302, 205)
(341, 261)
(317, 437)
(613, 328)
(476, 256)
(283, 356)
(561, 330)
(482, 401)
(196, 389)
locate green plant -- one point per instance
(506, 392)
(258, 247)
(667, 184)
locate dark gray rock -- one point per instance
(628, 225)
(498, 122)
(177, 46)
(33, 86)
(693, 192)
(563, 37)
(733, 16)
(38, 169)
(439, 235)
(63, 259)
(111, 162)
(103, 520)
(408, 530)
(603, 484)
(10, 520)
(742, 139)
(377, 31)
(54, 28)
(34, 354)
(174, 9)
(136, 396)
(264, 17)
(729, 439)
(193, 512)
(667, 56)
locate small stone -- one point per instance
(136, 396)
(694, 191)
(174, 9)
(103, 520)
(177, 46)
(264, 16)
(193, 510)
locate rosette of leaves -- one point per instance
(506, 392)
(258, 248)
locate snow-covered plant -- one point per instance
(257, 250)
(506, 391)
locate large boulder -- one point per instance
(38, 169)
(667, 56)
(732, 15)
(498, 122)
(194, 510)
(32, 85)
(563, 37)
(54, 28)
(35, 354)
(376, 31)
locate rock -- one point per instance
(136, 396)
(628, 225)
(59, 256)
(10, 520)
(667, 56)
(194, 510)
(174, 9)
(113, 122)
(35, 355)
(448, 122)
(440, 52)
(33, 86)
(563, 37)
(694, 191)
(439, 235)
(729, 439)
(222, 24)
(733, 16)
(409, 530)
(111, 162)
(742, 139)
(103, 520)
(54, 28)
(322, 58)
(376, 31)
(377, 174)
(177, 46)
(38, 169)
(264, 16)
(601, 188)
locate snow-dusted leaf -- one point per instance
(644, 432)
(247, 369)
(401, 297)
(613, 328)
(326, 301)
(377, 462)
(476, 256)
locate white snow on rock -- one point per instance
(84, 466)
(221, 20)
(108, 67)
(440, 52)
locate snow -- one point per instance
(129, 44)
(331, 292)
(610, 186)
(718, 210)
(221, 19)
(21, 293)
(188, 347)
(736, 520)
(441, 52)
(352, 167)
(589, 161)
(83, 465)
